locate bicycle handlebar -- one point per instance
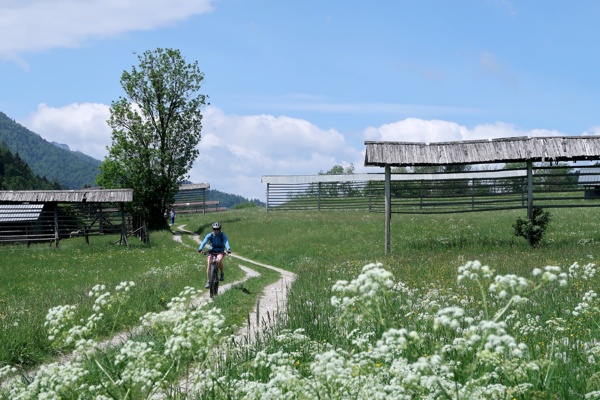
(226, 252)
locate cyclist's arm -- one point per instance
(226, 242)
(204, 242)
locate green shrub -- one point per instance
(533, 230)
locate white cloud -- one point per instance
(33, 25)
(593, 131)
(429, 131)
(82, 127)
(418, 130)
(236, 151)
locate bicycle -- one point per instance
(213, 274)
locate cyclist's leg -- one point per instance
(207, 271)
(220, 264)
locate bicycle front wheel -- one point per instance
(214, 279)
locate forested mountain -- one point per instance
(15, 174)
(229, 200)
(72, 169)
(59, 167)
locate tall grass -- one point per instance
(418, 321)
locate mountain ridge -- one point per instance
(56, 162)
(72, 169)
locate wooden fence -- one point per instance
(553, 186)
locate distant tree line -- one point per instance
(230, 200)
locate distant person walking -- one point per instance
(172, 216)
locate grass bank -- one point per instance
(425, 309)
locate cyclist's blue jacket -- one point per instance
(218, 242)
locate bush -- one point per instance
(533, 230)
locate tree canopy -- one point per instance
(156, 129)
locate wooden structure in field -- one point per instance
(191, 198)
(505, 150)
(48, 215)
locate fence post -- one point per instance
(123, 226)
(472, 194)
(319, 188)
(56, 235)
(267, 205)
(388, 207)
(529, 190)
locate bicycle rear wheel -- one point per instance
(214, 279)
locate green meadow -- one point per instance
(424, 321)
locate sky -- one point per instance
(296, 87)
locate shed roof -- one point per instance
(194, 186)
(20, 212)
(516, 149)
(68, 196)
(589, 176)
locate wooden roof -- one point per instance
(68, 196)
(194, 186)
(518, 149)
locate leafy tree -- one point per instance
(339, 170)
(337, 189)
(156, 129)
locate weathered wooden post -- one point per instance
(529, 190)
(123, 226)
(267, 205)
(388, 207)
(319, 186)
(56, 235)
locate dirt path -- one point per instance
(265, 314)
(269, 305)
(271, 302)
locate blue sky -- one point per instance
(296, 87)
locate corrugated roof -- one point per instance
(556, 148)
(20, 212)
(68, 196)
(589, 176)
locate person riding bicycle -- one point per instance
(218, 245)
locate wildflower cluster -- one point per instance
(365, 296)
(465, 352)
(139, 369)
(534, 337)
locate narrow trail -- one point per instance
(271, 303)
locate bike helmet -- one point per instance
(216, 225)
